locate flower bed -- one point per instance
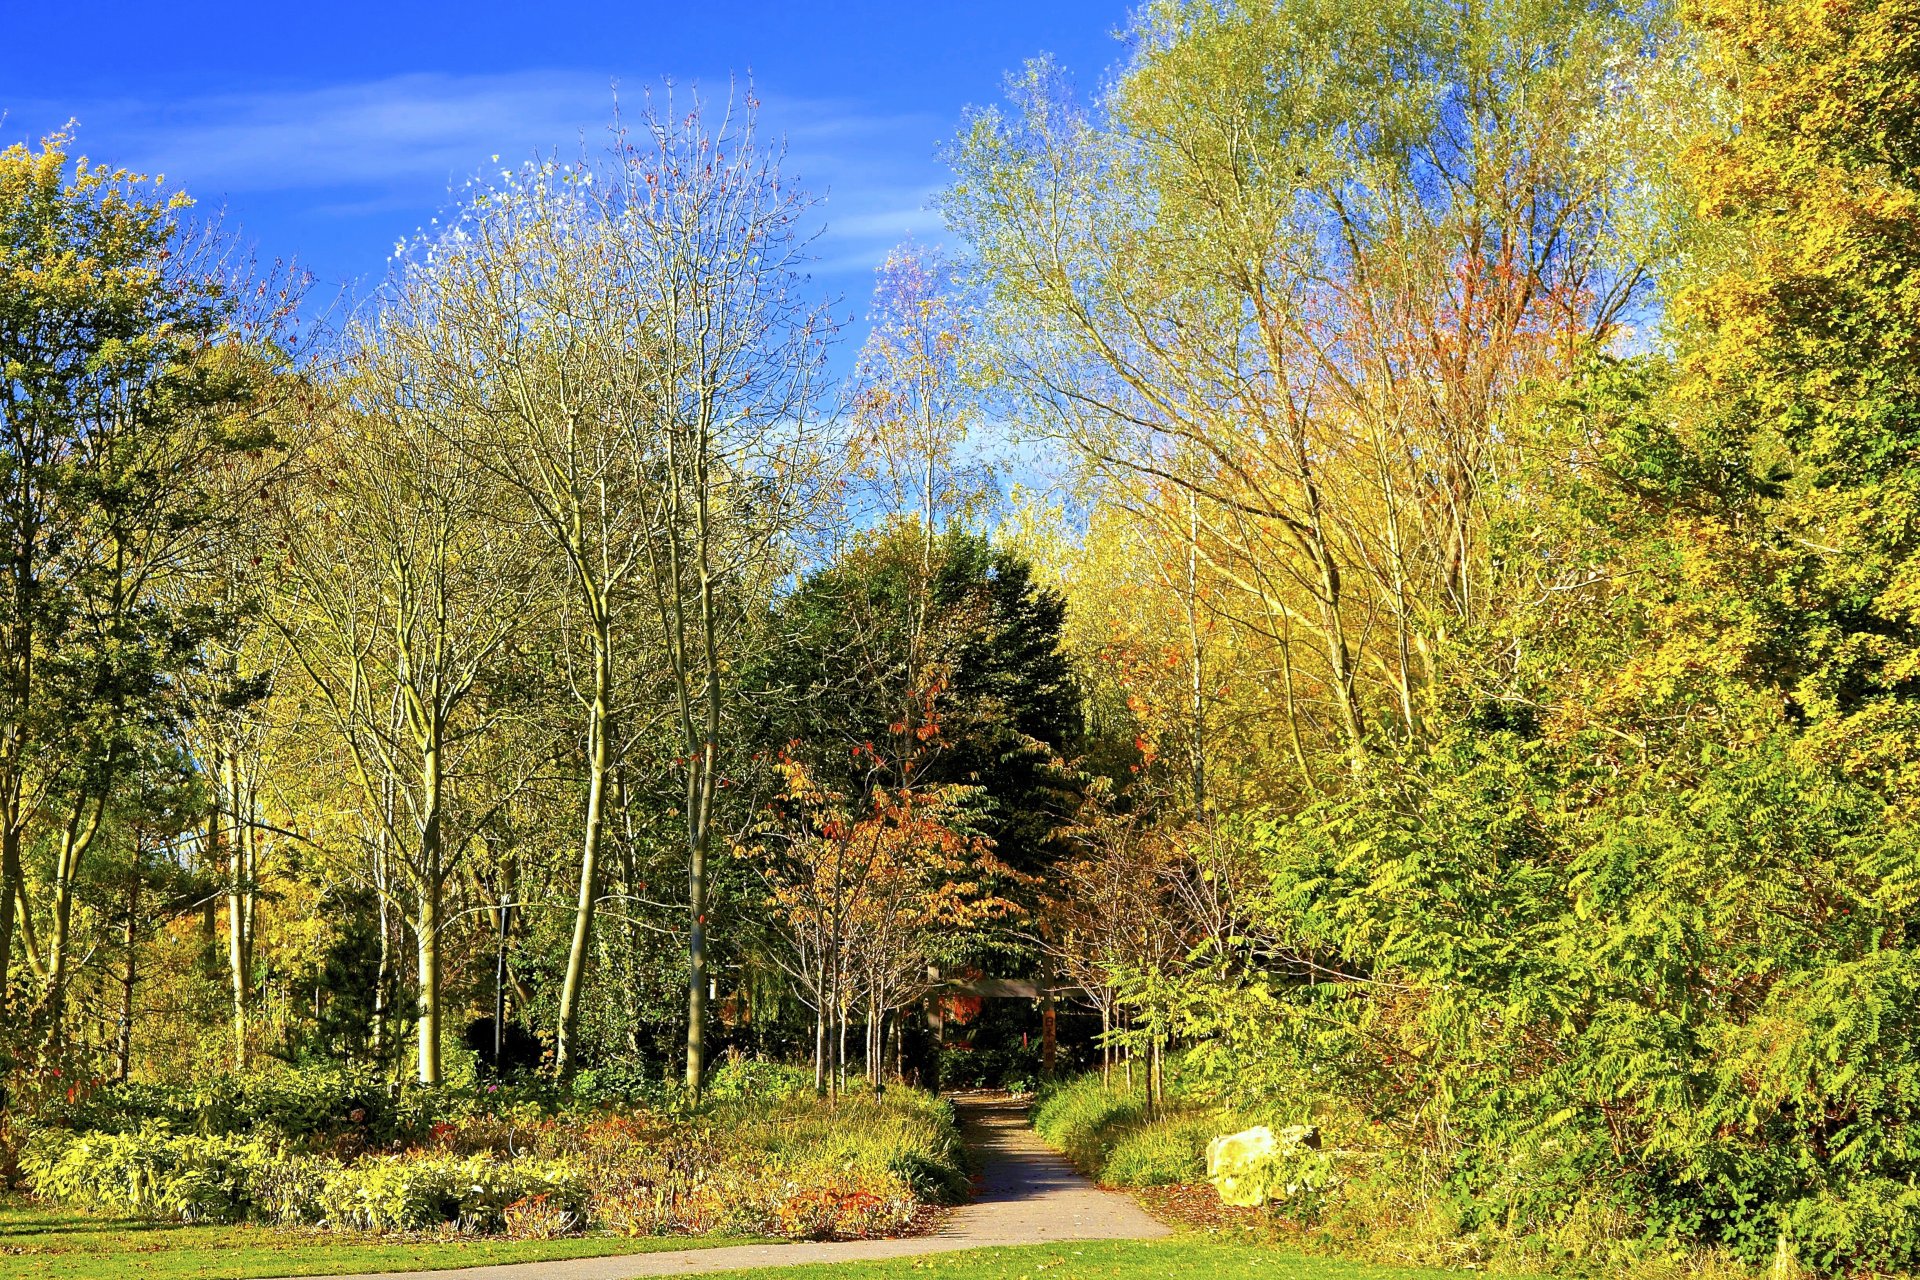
(755, 1160)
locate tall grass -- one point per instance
(1108, 1134)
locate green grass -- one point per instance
(1101, 1260)
(59, 1244)
(55, 1244)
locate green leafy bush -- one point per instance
(151, 1172)
(1160, 1152)
(305, 1106)
(231, 1179)
(1084, 1118)
(472, 1193)
(759, 1156)
(749, 1078)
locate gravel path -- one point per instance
(1026, 1194)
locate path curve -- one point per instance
(1026, 1194)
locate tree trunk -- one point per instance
(599, 765)
(382, 974)
(500, 979)
(820, 1034)
(1106, 1045)
(123, 1043)
(427, 933)
(10, 892)
(239, 915)
(75, 840)
(433, 886)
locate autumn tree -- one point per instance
(1296, 271)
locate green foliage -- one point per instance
(760, 1156)
(1083, 1118)
(414, 1192)
(1109, 1133)
(750, 1079)
(151, 1172)
(989, 1066)
(312, 1104)
(1000, 699)
(228, 1178)
(1166, 1150)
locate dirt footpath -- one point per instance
(1026, 1194)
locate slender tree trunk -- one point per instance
(1195, 660)
(500, 978)
(820, 1016)
(599, 765)
(12, 888)
(77, 837)
(1049, 1023)
(1106, 1045)
(210, 863)
(433, 887)
(129, 974)
(383, 973)
(427, 934)
(239, 913)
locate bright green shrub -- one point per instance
(151, 1172)
(1083, 1118)
(762, 1157)
(622, 1083)
(1159, 1152)
(295, 1106)
(473, 1193)
(749, 1079)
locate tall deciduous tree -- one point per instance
(401, 591)
(633, 350)
(1300, 267)
(128, 366)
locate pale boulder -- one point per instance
(1256, 1165)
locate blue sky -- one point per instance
(329, 130)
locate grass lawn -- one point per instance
(57, 1244)
(1176, 1259)
(44, 1243)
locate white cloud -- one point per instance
(393, 149)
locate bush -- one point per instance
(151, 1172)
(229, 1179)
(473, 1193)
(304, 1107)
(623, 1084)
(1083, 1118)
(748, 1079)
(1001, 1068)
(761, 1156)
(1160, 1152)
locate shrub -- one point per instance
(963, 1067)
(188, 1177)
(761, 1156)
(472, 1193)
(630, 1083)
(1159, 1153)
(748, 1079)
(1083, 1118)
(305, 1107)
(542, 1217)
